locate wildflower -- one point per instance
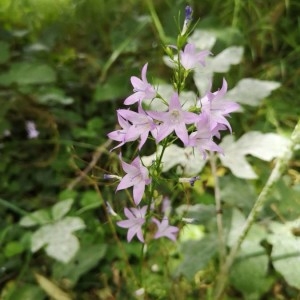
(142, 124)
(31, 130)
(187, 20)
(165, 230)
(142, 89)
(202, 138)
(136, 219)
(120, 135)
(217, 107)
(190, 58)
(174, 120)
(137, 176)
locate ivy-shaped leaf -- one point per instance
(286, 250)
(251, 91)
(60, 209)
(265, 146)
(58, 239)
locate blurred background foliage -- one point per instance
(65, 65)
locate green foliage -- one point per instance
(65, 65)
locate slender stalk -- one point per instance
(277, 172)
(222, 247)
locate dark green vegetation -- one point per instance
(66, 66)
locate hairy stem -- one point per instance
(277, 172)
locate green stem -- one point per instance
(222, 247)
(277, 172)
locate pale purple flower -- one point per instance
(202, 139)
(31, 130)
(136, 219)
(165, 230)
(174, 120)
(142, 88)
(120, 135)
(137, 176)
(142, 125)
(190, 58)
(217, 107)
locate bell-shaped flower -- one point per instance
(165, 230)
(202, 139)
(142, 88)
(142, 125)
(175, 119)
(217, 107)
(137, 176)
(136, 219)
(190, 58)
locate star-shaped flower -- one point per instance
(217, 107)
(202, 138)
(136, 219)
(142, 88)
(174, 120)
(165, 230)
(137, 176)
(120, 135)
(190, 58)
(142, 124)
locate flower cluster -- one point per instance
(195, 128)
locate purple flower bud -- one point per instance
(188, 13)
(187, 20)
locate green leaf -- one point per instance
(54, 96)
(13, 248)
(60, 243)
(90, 200)
(25, 73)
(61, 208)
(196, 256)
(286, 251)
(252, 259)
(86, 259)
(22, 292)
(4, 52)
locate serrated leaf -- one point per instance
(252, 91)
(39, 217)
(189, 162)
(61, 208)
(58, 239)
(265, 146)
(285, 253)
